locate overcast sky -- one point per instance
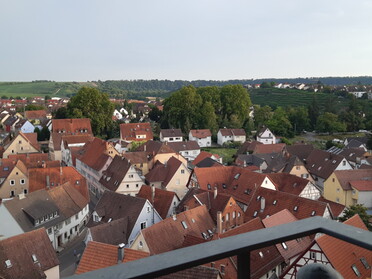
(77, 40)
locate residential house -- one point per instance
(92, 160)
(251, 160)
(13, 178)
(101, 255)
(321, 164)
(302, 151)
(195, 222)
(136, 132)
(24, 126)
(71, 144)
(138, 212)
(22, 143)
(203, 137)
(248, 147)
(224, 210)
(37, 117)
(28, 256)
(63, 127)
(62, 211)
(207, 163)
(265, 136)
(10, 122)
(350, 187)
(350, 260)
(188, 149)
(121, 177)
(165, 202)
(203, 155)
(356, 142)
(139, 159)
(270, 148)
(172, 176)
(171, 135)
(338, 210)
(355, 156)
(49, 178)
(34, 160)
(231, 135)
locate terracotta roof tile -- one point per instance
(232, 132)
(100, 255)
(114, 232)
(163, 172)
(302, 151)
(20, 249)
(137, 157)
(202, 155)
(248, 147)
(171, 133)
(131, 131)
(184, 145)
(35, 160)
(201, 133)
(269, 148)
(288, 183)
(337, 209)
(346, 176)
(95, 153)
(155, 147)
(35, 114)
(115, 173)
(71, 126)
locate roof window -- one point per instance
(255, 214)
(258, 197)
(365, 263)
(209, 186)
(284, 246)
(8, 263)
(247, 191)
(34, 258)
(224, 186)
(275, 202)
(237, 176)
(261, 254)
(205, 236)
(295, 208)
(356, 270)
(313, 213)
(184, 224)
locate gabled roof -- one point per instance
(248, 147)
(114, 232)
(115, 206)
(292, 247)
(202, 155)
(100, 255)
(269, 148)
(10, 121)
(207, 163)
(201, 133)
(163, 172)
(171, 133)
(6, 167)
(72, 126)
(174, 229)
(362, 185)
(283, 163)
(184, 146)
(115, 173)
(35, 114)
(34, 160)
(262, 130)
(39, 178)
(162, 199)
(322, 163)
(337, 208)
(138, 157)
(94, 153)
(249, 160)
(302, 151)
(232, 132)
(346, 176)
(76, 139)
(155, 147)
(288, 183)
(351, 154)
(130, 131)
(21, 249)
(343, 255)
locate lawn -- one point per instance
(225, 153)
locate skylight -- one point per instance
(365, 263)
(284, 246)
(34, 258)
(237, 176)
(295, 208)
(261, 254)
(313, 213)
(356, 270)
(255, 214)
(8, 263)
(184, 224)
(275, 202)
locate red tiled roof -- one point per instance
(162, 199)
(100, 255)
(362, 185)
(35, 114)
(202, 155)
(232, 132)
(171, 133)
(201, 134)
(343, 255)
(155, 147)
(76, 139)
(94, 153)
(269, 148)
(35, 160)
(346, 176)
(57, 176)
(336, 208)
(130, 131)
(163, 172)
(288, 183)
(71, 126)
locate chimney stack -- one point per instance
(60, 171)
(262, 204)
(153, 194)
(219, 222)
(215, 192)
(144, 147)
(120, 253)
(174, 215)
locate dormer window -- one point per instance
(365, 263)
(184, 224)
(8, 264)
(261, 254)
(34, 258)
(313, 213)
(295, 208)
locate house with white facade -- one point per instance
(138, 212)
(62, 211)
(203, 137)
(265, 136)
(231, 135)
(122, 177)
(25, 126)
(69, 143)
(188, 149)
(171, 135)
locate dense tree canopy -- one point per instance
(95, 105)
(361, 211)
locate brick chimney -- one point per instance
(262, 204)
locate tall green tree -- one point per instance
(279, 124)
(299, 118)
(314, 111)
(361, 211)
(262, 115)
(95, 105)
(328, 122)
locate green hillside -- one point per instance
(40, 88)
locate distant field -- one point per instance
(225, 153)
(291, 97)
(28, 89)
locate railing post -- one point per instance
(244, 265)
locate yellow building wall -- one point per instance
(19, 146)
(333, 191)
(299, 171)
(18, 188)
(135, 245)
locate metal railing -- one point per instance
(239, 245)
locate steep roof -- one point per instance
(262, 130)
(115, 173)
(337, 208)
(94, 153)
(163, 172)
(269, 148)
(302, 151)
(72, 126)
(232, 132)
(171, 133)
(201, 133)
(76, 139)
(202, 155)
(347, 176)
(208, 162)
(20, 250)
(39, 178)
(248, 147)
(100, 255)
(137, 157)
(322, 163)
(174, 229)
(352, 154)
(288, 183)
(343, 255)
(249, 160)
(6, 167)
(155, 147)
(362, 185)
(130, 131)
(34, 160)
(114, 232)
(162, 199)
(184, 145)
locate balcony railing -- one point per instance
(239, 245)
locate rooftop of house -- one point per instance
(184, 145)
(283, 163)
(249, 160)
(288, 183)
(76, 139)
(100, 255)
(160, 199)
(138, 157)
(248, 147)
(269, 148)
(322, 163)
(130, 131)
(208, 162)
(204, 154)
(71, 126)
(171, 133)
(27, 256)
(115, 173)
(34, 160)
(302, 151)
(114, 232)
(163, 172)
(35, 114)
(337, 208)
(345, 177)
(353, 154)
(232, 132)
(195, 222)
(155, 147)
(262, 130)
(201, 133)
